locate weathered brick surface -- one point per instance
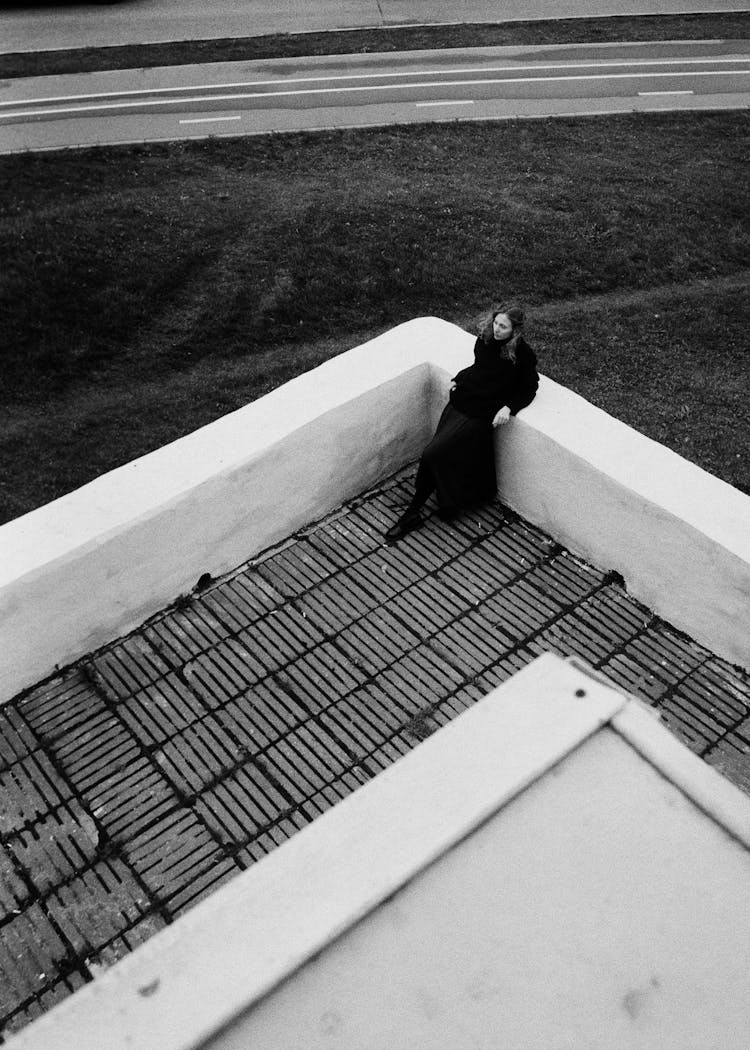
(29, 790)
(731, 756)
(130, 799)
(185, 633)
(240, 600)
(161, 709)
(118, 947)
(95, 751)
(98, 904)
(130, 666)
(31, 953)
(60, 705)
(16, 738)
(14, 889)
(201, 881)
(280, 637)
(57, 847)
(137, 782)
(224, 672)
(171, 854)
(43, 1001)
(246, 801)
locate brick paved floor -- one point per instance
(154, 770)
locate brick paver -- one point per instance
(142, 778)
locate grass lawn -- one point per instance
(726, 26)
(147, 290)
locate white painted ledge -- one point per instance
(94, 564)
(542, 741)
(679, 536)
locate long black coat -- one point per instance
(493, 381)
(459, 462)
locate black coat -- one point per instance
(494, 381)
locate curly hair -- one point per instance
(515, 316)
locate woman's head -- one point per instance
(503, 325)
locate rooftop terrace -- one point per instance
(153, 770)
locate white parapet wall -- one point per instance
(679, 536)
(94, 564)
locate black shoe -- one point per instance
(405, 524)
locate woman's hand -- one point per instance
(501, 417)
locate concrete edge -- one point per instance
(678, 536)
(642, 728)
(192, 978)
(712, 793)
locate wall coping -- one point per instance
(645, 467)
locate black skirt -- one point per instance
(459, 462)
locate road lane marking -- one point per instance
(529, 67)
(208, 120)
(645, 93)
(101, 108)
(448, 102)
(231, 86)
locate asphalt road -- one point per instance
(32, 28)
(363, 90)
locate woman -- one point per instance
(459, 462)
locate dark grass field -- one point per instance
(726, 26)
(147, 290)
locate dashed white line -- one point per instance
(645, 93)
(448, 102)
(208, 120)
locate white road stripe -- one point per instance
(207, 120)
(375, 87)
(607, 64)
(645, 93)
(613, 64)
(448, 102)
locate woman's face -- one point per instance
(502, 327)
